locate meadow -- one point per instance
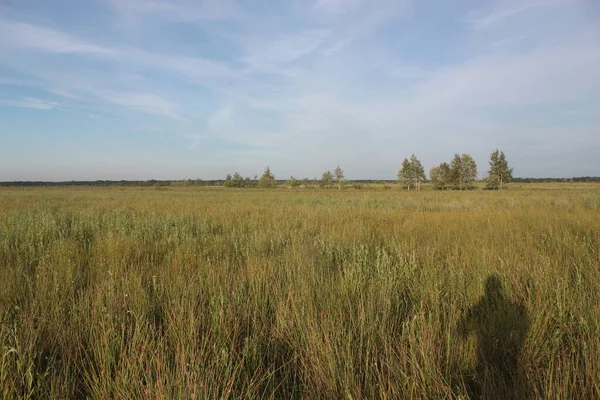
(206, 293)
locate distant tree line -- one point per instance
(550, 180)
(220, 182)
(459, 174)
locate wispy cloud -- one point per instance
(24, 36)
(506, 10)
(29, 102)
(221, 117)
(19, 35)
(100, 85)
(269, 54)
(146, 102)
(327, 79)
(335, 8)
(177, 10)
(506, 42)
(150, 129)
(547, 74)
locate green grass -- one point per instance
(226, 293)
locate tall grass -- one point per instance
(208, 293)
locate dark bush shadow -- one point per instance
(501, 327)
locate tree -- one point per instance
(234, 181)
(418, 172)
(435, 174)
(468, 171)
(463, 171)
(500, 173)
(411, 171)
(339, 176)
(228, 180)
(405, 173)
(326, 180)
(454, 176)
(267, 180)
(237, 180)
(294, 183)
(441, 176)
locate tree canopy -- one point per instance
(411, 172)
(459, 174)
(500, 173)
(339, 176)
(267, 180)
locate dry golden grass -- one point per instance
(226, 293)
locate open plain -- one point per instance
(206, 292)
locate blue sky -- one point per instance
(170, 89)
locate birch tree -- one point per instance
(411, 172)
(500, 172)
(339, 176)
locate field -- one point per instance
(244, 293)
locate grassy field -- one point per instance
(224, 293)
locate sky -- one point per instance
(178, 89)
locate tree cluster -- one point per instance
(236, 181)
(328, 179)
(460, 174)
(267, 180)
(411, 173)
